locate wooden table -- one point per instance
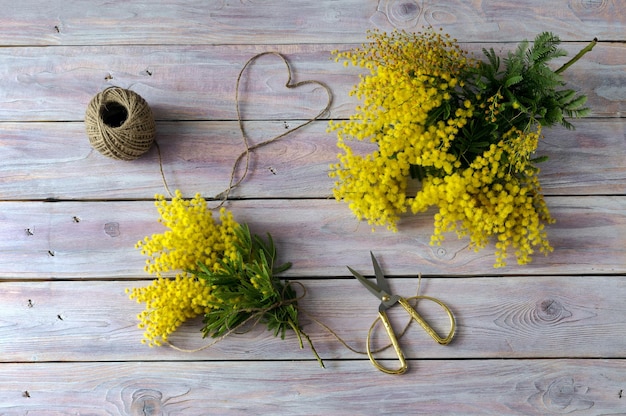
(547, 338)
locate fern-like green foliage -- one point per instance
(525, 78)
(246, 291)
(518, 91)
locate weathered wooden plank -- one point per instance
(493, 387)
(55, 160)
(197, 82)
(218, 21)
(539, 317)
(572, 154)
(179, 82)
(541, 339)
(96, 239)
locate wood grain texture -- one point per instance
(55, 161)
(579, 316)
(547, 338)
(182, 82)
(80, 22)
(446, 387)
(44, 240)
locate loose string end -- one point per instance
(167, 188)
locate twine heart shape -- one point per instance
(248, 148)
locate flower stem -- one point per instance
(317, 356)
(300, 333)
(578, 56)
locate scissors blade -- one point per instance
(382, 283)
(372, 287)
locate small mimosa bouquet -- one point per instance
(221, 271)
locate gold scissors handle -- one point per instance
(443, 341)
(394, 340)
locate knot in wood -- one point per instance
(564, 395)
(400, 13)
(147, 402)
(112, 229)
(593, 4)
(550, 310)
(406, 10)
(588, 6)
(560, 393)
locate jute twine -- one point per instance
(120, 124)
(244, 156)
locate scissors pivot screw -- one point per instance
(385, 298)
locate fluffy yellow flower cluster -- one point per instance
(465, 129)
(169, 303)
(397, 101)
(488, 198)
(193, 237)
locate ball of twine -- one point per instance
(120, 124)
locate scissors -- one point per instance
(381, 290)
